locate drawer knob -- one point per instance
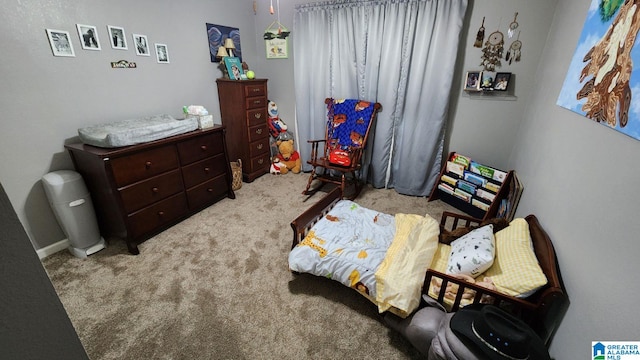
(147, 164)
(155, 190)
(210, 190)
(258, 115)
(206, 169)
(260, 161)
(259, 146)
(203, 147)
(256, 90)
(160, 213)
(259, 131)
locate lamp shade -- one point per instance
(228, 43)
(222, 52)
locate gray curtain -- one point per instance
(400, 53)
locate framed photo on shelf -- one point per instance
(141, 44)
(488, 78)
(234, 68)
(88, 37)
(472, 81)
(118, 40)
(60, 43)
(502, 81)
(162, 53)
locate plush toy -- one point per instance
(276, 125)
(276, 167)
(468, 294)
(288, 156)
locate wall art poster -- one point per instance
(601, 82)
(217, 34)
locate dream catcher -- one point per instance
(492, 51)
(480, 35)
(513, 26)
(514, 52)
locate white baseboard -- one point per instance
(53, 248)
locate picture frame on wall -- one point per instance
(234, 68)
(162, 53)
(501, 82)
(141, 45)
(472, 81)
(117, 37)
(217, 35)
(88, 37)
(60, 42)
(277, 47)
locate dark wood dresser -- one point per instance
(140, 190)
(243, 108)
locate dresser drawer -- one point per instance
(138, 195)
(259, 147)
(201, 147)
(258, 132)
(256, 102)
(207, 192)
(255, 90)
(157, 215)
(203, 170)
(143, 165)
(260, 162)
(257, 117)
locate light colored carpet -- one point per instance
(217, 286)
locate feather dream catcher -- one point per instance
(492, 51)
(480, 35)
(513, 26)
(514, 52)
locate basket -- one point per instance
(236, 171)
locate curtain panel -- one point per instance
(400, 53)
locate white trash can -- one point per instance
(71, 203)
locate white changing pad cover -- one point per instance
(135, 131)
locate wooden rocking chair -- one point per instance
(348, 124)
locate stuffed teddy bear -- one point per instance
(288, 156)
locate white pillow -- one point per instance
(473, 253)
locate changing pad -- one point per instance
(135, 131)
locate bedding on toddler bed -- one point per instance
(135, 131)
(384, 257)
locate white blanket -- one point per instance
(384, 257)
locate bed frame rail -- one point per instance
(303, 223)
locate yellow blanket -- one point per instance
(401, 274)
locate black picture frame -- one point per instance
(501, 82)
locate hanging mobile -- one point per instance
(514, 52)
(480, 35)
(513, 26)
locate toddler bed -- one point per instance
(394, 260)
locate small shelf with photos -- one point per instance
(483, 84)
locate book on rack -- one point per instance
(515, 193)
(509, 204)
